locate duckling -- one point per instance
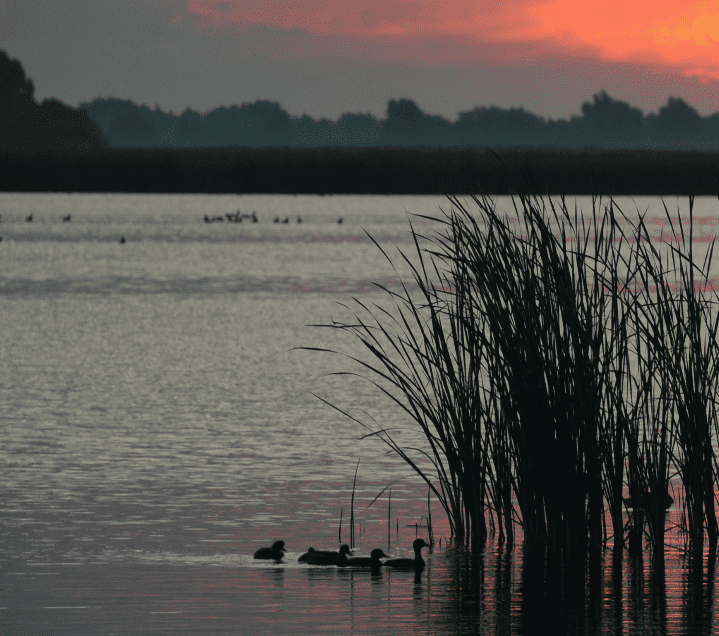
(275, 552)
(372, 561)
(410, 564)
(330, 558)
(308, 555)
(311, 552)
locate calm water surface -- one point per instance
(157, 428)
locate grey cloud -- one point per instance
(78, 50)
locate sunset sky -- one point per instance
(324, 57)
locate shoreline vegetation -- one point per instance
(558, 370)
(384, 171)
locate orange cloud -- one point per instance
(680, 33)
(676, 33)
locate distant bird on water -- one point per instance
(29, 218)
(122, 239)
(277, 551)
(410, 564)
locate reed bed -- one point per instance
(560, 368)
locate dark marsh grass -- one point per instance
(551, 361)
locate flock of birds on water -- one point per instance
(344, 558)
(239, 216)
(233, 217)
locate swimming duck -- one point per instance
(277, 551)
(330, 558)
(372, 561)
(645, 501)
(311, 552)
(410, 564)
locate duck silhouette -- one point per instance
(308, 555)
(329, 558)
(645, 501)
(410, 564)
(372, 561)
(277, 551)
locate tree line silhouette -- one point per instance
(604, 123)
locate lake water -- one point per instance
(157, 428)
